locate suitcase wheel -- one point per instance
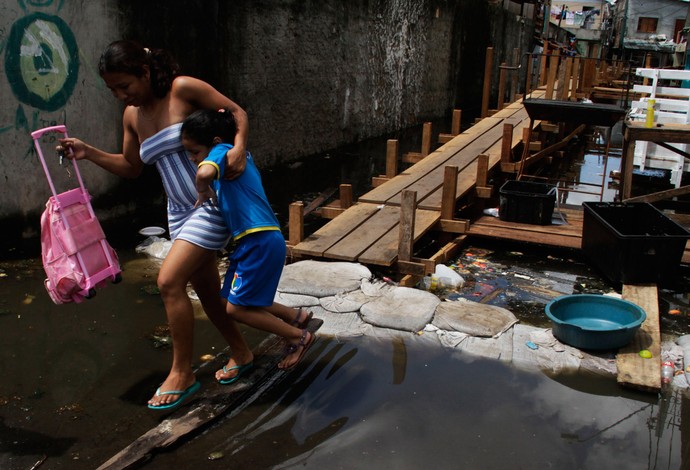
(91, 294)
(117, 278)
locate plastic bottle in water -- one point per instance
(667, 371)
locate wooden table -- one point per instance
(634, 131)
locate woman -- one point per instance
(157, 100)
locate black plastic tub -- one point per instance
(632, 243)
(526, 202)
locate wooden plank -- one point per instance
(569, 236)
(431, 182)
(406, 226)
(367, 234)
(466, 177)
(385, 251)
(214, 402)
(633, 370)
(438, 158)
(331, 233)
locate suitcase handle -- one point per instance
(39, 133)
(36, 135)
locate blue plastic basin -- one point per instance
(589, 321)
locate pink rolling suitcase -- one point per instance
(76, 256)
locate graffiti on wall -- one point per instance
(41, 62)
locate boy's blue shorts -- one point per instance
(255, 268)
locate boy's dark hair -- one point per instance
(204, 125)
(127, 56)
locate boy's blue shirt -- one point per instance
(242, 201)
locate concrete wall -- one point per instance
(312, 75)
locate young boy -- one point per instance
(257, 261)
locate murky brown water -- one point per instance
(76, 379)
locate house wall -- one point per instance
(666, 11)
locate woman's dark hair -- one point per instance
(204, 125)
(130, 57)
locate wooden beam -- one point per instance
(412, 157)
(377, 181)
(319, 200)
(329, 212)
(449, 251)
(450, 186)
(661, 195)
(411, 268)
(633, 370)
(296, 223)
(553, 148)
(408, 205)
(454, 226)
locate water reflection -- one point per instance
(449, 411)
(76, 378)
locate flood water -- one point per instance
(76, 378)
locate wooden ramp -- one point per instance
(368, 232)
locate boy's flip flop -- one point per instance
(302, 324)
(183, 395)
(240, 370)
(303, 344)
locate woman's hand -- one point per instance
(236, 161)
(74, 148)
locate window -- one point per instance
(647, 25)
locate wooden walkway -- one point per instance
(368, 232)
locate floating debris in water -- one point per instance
(28, 299)
(161, 336)
(674, 311)
(207, 357)
(216, 455)
(151, 290)
(72, 408)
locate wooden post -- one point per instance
(575, 88)
(450, 187)
(454, 128)
(542, 67)
(408, 205)
(501, 86)
(647, 64)
(528, 72)
(488, 65)
(391, 158)
(345, 196)
(426, 139)
(515, 73)
(455, 125)
(296, 223)
(506, 143)
(567, 78)
(551, 80)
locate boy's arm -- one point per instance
(205, 175)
